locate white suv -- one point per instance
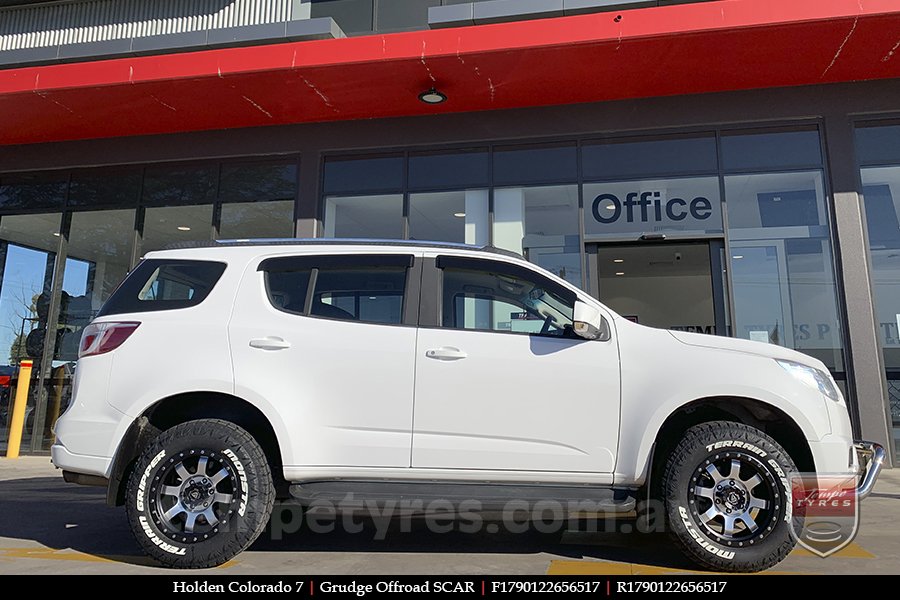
(220, 376)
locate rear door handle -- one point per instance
(270, 343)
(446, 353)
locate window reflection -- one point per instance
(781, 263)
(460, 217)
(541, 223)
(375, 217)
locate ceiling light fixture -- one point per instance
(56, 233)
(620, 273)
(183, 228)
(432, 96)
(738, 256)
(459, 215)
(618, 260)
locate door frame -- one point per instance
(719, 275)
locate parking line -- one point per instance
(51, 554)
(853, 550)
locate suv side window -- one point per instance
(488, 295)
(365, 288)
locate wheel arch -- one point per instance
(775, 422)
(179, 408)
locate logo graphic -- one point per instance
(825, 511)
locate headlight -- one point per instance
(812, 377)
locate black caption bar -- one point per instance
(366, 586)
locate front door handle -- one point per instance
(446, 353)
(270, 343)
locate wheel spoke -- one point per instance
(703, 492)
(735, 472)
(182, 472)
(201, 465)
(758, 503)
(174, 511)
(210, 516)
(729, 525)
(753, 481)
(222, 498)
(222, 474)
(171, 490)
(713, 472)
(189, 522)
(749, 522)
(710, 514)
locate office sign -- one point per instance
(677, 206)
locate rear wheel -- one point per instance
(727, 497)
(200, 493)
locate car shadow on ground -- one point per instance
(61, 516)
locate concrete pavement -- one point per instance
(48, 526)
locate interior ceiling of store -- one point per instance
(671, 50)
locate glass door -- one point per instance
(676, 286)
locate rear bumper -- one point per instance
(78, 463)
(871, 460)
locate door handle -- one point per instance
(270, 343)
(446, 353)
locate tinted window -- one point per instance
(619, 159)
(364, 175)
(105, 186)
(167, 186)
(32, 192)
(371, 294)
(878, 144)
(257, 182)
(454, 170)
(287, 289)
(161, 284)
(534, 164)
(486, 295)
(366, 288)
(764, 150)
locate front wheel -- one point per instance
(200, 493)
(727, 497)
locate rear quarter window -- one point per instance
(160, 284)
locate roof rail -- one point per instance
(338, 241)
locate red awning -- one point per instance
(681, 49)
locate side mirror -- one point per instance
(589, 323)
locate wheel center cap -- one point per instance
(197, 493)
(732, 495)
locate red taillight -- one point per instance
(99, 338)
(4, 380)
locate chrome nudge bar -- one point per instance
(871, 456)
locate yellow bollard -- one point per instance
(18, 415)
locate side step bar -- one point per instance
(422, 497)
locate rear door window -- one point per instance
(365, 288)
(164, 284)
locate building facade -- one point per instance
(730, 167)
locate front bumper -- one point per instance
(871, 460)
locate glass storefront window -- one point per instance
(770, 149)
(257, 200)
(617, 159)
(244, 220)
(32, 192)
(541, 223)
(449, 217)
(535, 164)
(781, 263)
(168, 225)
(363, 175)
(687, 207)
(374, 217)
(28, 245)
